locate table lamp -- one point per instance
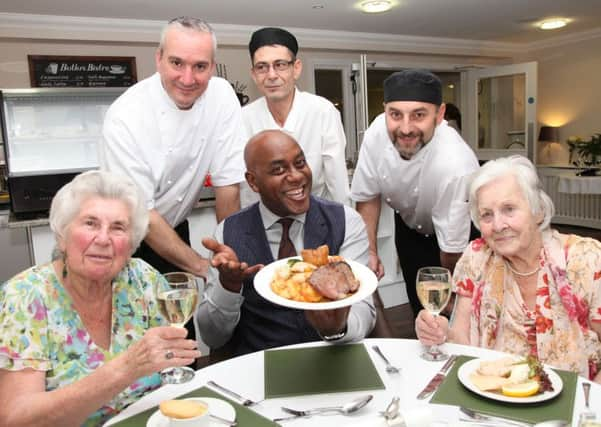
(548, 137)
(549, 134)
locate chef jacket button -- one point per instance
(383, 176)
(415, 190)
(388, 199)
(180, 199)
(397, 211)
(419, 227)
(169, 182)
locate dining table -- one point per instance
(246, 376)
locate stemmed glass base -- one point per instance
(434, 354)
(178, 375)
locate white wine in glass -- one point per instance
(433, 287)
(177, 297)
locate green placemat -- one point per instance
(452, 392)
(323, 369)
(244, 416)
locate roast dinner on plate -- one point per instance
(315, 277)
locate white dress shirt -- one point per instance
(315, 124)
(429, 191)
(168, 151)
(219, 310)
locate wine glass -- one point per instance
(177, 297)
(433, 286)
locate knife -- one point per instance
(435, 382)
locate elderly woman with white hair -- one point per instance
(523, 288)
(81, 337)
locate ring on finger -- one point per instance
(169, 354)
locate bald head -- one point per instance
(276, 169)
(263, 143)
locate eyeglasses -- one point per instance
(279, 65)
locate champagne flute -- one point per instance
(177, 297)
(434, 291)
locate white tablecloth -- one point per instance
(570, 183)
(245, 375)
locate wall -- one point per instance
(569, 91)
(14, 71)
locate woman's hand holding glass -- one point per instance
(147, 356)
(431, 330)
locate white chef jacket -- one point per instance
(429, 191)
(168, 151)
(219, 311)
(315, 124)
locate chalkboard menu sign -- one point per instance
(82, 71)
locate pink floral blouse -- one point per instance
(568, 301)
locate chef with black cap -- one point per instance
(311, 120)
(420, 166)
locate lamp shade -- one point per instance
(549, 134)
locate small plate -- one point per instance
(367, 285)
(470, 366)
(218, 407)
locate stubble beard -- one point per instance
(408, 153)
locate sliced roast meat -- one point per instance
(335, 280)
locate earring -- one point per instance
(64, 265)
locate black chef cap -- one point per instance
(413, 85)
(269, 36)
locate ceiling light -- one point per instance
(376, 6)
(553, 24)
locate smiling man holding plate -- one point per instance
(286, 220)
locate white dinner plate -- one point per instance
(218, 407)
(472, 365)
(367, 285)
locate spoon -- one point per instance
(347, 408)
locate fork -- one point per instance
(389, 367)
(243, 400)
(481, 417)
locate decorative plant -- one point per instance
(588, 151)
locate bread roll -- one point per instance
(182, 409)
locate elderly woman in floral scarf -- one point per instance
(523, 288)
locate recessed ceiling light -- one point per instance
(553, 24)
(376, 6)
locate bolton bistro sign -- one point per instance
(82, 71)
